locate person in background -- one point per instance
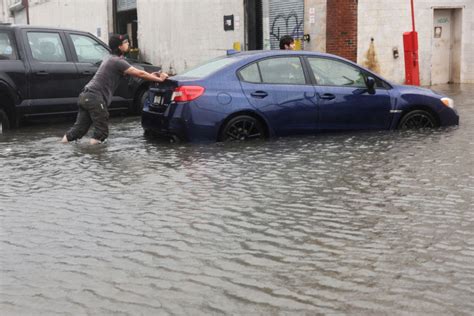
(97, 94)
(287, 43)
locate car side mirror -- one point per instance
(370, 83)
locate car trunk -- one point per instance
(161, 95)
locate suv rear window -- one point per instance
(7, 49)
(209, 67)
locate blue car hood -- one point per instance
(405, 89)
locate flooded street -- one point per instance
(352, 223)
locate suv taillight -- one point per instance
(187, 93)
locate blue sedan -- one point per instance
(260, 94)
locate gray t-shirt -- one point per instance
(107, 77)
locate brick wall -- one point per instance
(341, 31)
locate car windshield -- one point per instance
(208, 67)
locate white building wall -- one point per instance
(386, 20)
(181, 34)
(2, 12)
(266, 24)
(5, 16)
(85, 15)
(315, 24)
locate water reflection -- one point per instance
(376, 222)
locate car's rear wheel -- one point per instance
(242, 127)
(4, 121)
(418, 119)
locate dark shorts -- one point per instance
(92, 111)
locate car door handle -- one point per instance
(327, 96)
(42, 73)
(259, 94)
(87, 72)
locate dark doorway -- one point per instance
(126, 21)
(254, 29)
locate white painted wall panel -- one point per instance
(386, 20)
(315, 24)
(3, 17)
(179, 34)
(84, 15)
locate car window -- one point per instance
(283, 70)
(7, 49)
(209, 67)
(46, 46)
(87, 49)
(251, 74)
(330, 72)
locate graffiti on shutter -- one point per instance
(286, 18)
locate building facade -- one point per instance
(179, 34)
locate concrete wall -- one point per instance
(315, 24)
(181, 34)
(84, 15)
(386, 20)
(2, 12)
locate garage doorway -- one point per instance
(446, 46)
(126, 21)
(253, 27)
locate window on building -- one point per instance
(87, 49)
(7, 48)
(46, 46)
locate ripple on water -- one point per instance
(376, 222)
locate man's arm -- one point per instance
(132, 71)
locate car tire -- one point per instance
(242, 128)
(418, 119)
(4, 122)
(139, 102)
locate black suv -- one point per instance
(43, 70)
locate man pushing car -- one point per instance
(97, 94)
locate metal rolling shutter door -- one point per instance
(286, 18)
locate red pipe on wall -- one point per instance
(410, 44)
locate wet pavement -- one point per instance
(352, 223)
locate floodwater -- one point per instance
(352, 223)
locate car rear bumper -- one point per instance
(163, 125)
(184, 121)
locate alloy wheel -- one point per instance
(243, 128)
(418, 119)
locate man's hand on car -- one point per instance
(160, 74)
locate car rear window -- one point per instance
(209, 67)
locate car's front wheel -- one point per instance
(418, 119)
(4, 121)
(242, 127)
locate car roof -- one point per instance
(268, 53)
(45, 28)
(259, 54)
(250, 56)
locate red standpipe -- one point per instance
(410, 45)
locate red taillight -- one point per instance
(187, 93)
